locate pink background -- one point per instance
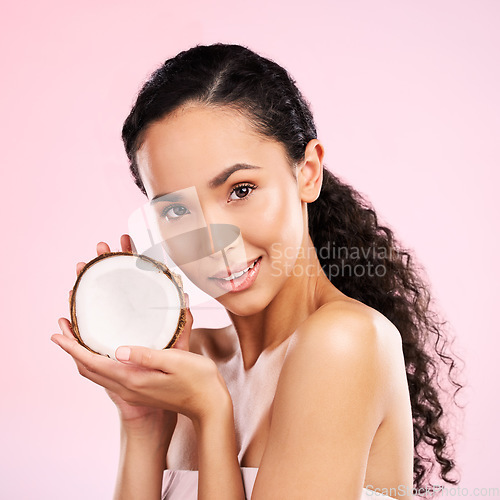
(406, 99)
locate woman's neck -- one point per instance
(302, 294)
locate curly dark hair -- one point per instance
(233, 76)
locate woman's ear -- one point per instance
(310, 172)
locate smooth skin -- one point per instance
(306, 384)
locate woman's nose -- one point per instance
(222, 230)
(216, 234)
(212, 214)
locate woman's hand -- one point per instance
(129, 414)
(145, 383)
(170, 379)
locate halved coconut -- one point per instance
(127, 299)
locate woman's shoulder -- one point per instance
(348, 325)
(347, 340)
(345, 312)
(341, 361)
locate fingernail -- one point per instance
(186, 298)
(53, 338)
(122, 353)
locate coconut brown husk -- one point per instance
(176, 279)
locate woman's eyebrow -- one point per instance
(219, 179)
(168, 197)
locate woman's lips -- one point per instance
(235, 269)
(241, 283)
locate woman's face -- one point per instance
(214, 223)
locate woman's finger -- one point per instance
(103, 381)
(79, 267)
(102, 247)
(126, 243)
(128, 381)
(95, 363)
(66, 328)
(101, 366)
(165, 360)
(90, 373)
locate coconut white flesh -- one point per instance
(118, 303)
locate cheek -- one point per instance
(278, 222)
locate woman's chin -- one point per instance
(244, 304)
(240, 308)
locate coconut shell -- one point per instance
(176, 280)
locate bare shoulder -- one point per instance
(347, 325)
(346, 339)
(215, 343)
(333, 391)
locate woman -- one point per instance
(322, 385)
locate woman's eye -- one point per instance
(175, 212)
(242, 191)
